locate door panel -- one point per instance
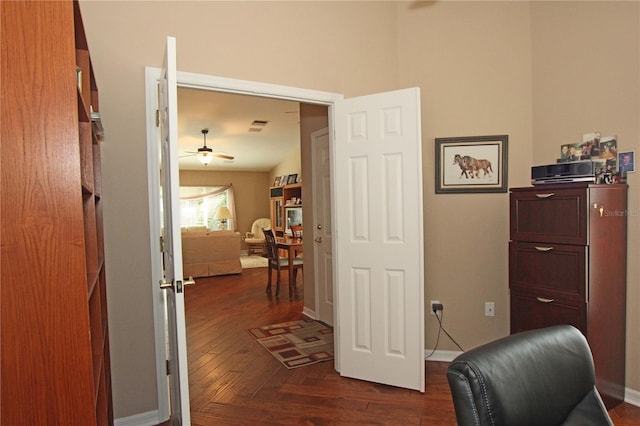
(172, 251)
(322, 231)
(380, 287)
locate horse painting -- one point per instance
(471, 166)
(460, 162)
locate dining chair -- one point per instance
(296, 232)
(279, 263)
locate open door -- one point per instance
(172, 247)
(378, 208)
(321, 230)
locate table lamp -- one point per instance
(222, 214)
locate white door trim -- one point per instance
(213, 83)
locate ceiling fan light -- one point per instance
(204, 158)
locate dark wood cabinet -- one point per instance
(567, 265)
(54, 328)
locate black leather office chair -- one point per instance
(540, 377)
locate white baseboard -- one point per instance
(441, 356)
(632, 397)
(309, 313)
(150, 418)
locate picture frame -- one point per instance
(627, 162)
(276, 181)
(292, 179)
(471, 164)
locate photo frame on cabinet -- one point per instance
(626, 162)
(471, 164)
(292, 178)
(276, 181)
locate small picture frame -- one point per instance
(570, 152)
(276, 181)
(292, 179)
(471, 164)
(626, 162)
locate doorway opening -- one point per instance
(209, 83)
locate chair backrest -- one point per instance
(260, 224)
(272, 247)
(540, 377)
(296, 231)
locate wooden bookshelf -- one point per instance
(54, 326)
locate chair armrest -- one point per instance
(249, 235)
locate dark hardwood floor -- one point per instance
(234, 381)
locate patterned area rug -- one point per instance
(253, 261)
(296, 343)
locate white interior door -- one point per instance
(321, 230)
(380, 277)
(172, 251)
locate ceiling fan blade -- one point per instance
(187, 155)
(223, 155)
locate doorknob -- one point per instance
(319, 226)
(165, 285)
(318, 239)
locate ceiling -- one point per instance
(231, 119)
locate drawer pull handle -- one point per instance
(550, 194)
(544, 300)
(543, 248)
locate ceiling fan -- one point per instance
(206, 154)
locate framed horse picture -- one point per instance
(471, 164)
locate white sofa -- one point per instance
(209, 253)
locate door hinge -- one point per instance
(168, 368)
(161, 244)
(157, 118)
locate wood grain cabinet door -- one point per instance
(529, 312)
(549, 215)
(549, 270)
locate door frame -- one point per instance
(218, 84)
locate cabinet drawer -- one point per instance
(528, 313)
(549, 270)
(553, 215)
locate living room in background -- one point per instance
(199, 205)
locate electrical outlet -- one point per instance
(489, 309)
(435, 304)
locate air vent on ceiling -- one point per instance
(257, 125)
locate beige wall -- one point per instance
(472, 63)
(288, 166)
(586, 77)
(251, 191)
(483, 68)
